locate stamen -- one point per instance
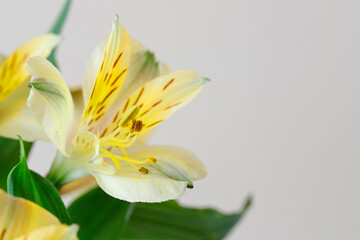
(135, 126)
(143, 170)
(108, 154)
(151, 159)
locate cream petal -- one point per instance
(50, 102)
(92, 69)
(130, 185)
(167, 179)
(17, 119)
(83, 158)
(78, 100)
(19, 216)
(171, 158)
(53, 232)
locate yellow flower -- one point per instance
(126, 95)
(15, 117)
(23, 219)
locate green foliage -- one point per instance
(169, 220)
(27, 184)
(103, 217)
(100, 216)
(10, 149)
(57, 28)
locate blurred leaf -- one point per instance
(10, 149)
(100, 216)
(57, 28)
(103, 217)
(27, 184)
(169, 220)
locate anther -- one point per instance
(151, 159)
(143, 170)
(135, 126)
(128, 116)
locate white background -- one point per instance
(280, 118)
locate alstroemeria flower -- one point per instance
(121, 104)
(15, 117)
(23, 219)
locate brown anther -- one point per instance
(143, 170)
(151, 159)
(135, 126)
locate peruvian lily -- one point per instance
(122, 103)
(23, 219)
(15, 117)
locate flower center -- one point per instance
(130, 127)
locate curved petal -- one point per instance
(53, 232)
(77, 95)
(19, 216)
(50, 101)
(174, 161)
(110, 77)
(174, 170)
(130, 185)
(143, 68)
(17, 119)
(13, 70)
(83, 158)
(159, 99)
(92, 69)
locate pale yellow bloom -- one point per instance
(126, 95)
(15, 117)
(23, 219)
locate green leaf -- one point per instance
(10, 149)
(103, 217)
(169, 220)
(27, 184)
(57, 28)
(100, 216)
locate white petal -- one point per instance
(130, 185)
(92, 69)
(50, 101)
(179, 158)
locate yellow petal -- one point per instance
(13, 70)
(50, 102)
(110, 76)
(159, 99)
(143, 68)
(19, 216)
(53, 232)
(2, 58)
